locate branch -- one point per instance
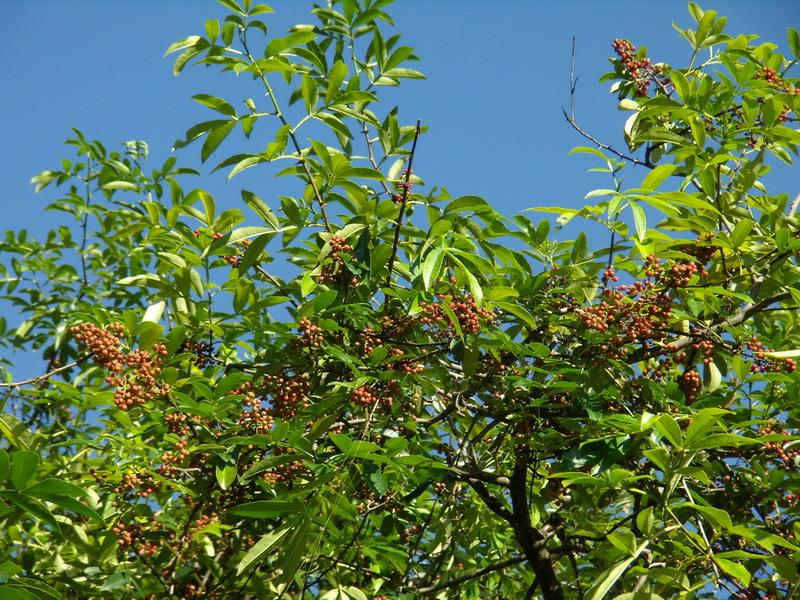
(745, 313)
(458, 580)
(533, 541)
(302, 160)
(402, 208)
(45, 376)
(570, 117)
(492, 502)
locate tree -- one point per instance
(366, 391)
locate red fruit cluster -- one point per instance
(140, 384)
(640, 70)
(289, 394)
(681, 273)
(609, 275)
(635, 313)
(233, 260)
(139, 484)
(254, 416)
(285, 473)
(310, 334)
(364, 396)
(367, 341)
(201, 351)
(171, 460)
(787, 457)
(204, 521)
(762, 363)
(104, 344)
(127, 535)
(334, 270)
(466, 310)
(690, 384)
(176, 423)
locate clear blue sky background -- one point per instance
(497, 78)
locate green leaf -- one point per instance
(56, 487)
(215, 103)
(23, 467)
(362, 172)
(261, 547)
(639, 220)
(734, 569)
(784, 354)
(225, 476)
(154, 312)
(657, 176)
(278, 45)
(717, 516)
(336, 76)
(5, 466)
(667, 427)
(721, 440)
(432, 267)
(741, 231)
(232, 6)
(267, 509)
(518, 311)
(32, 507)
(793, 37)
(215, 138)
(184, 43)
(268, 463)
(606, 580)
(121, 185)
(243, 233)
(681, 84)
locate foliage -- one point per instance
(367, 391)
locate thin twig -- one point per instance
(572, 120)
(458, 580)
(279, 113)
(402, 209)
(40, 378)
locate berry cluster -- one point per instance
(131, 535)
(310, 334)
(334, 270)
(466, 310)
(139, 484)
(176, 423)
(285, 473)
(104, 344)
(690, 384)
(364, 396)
(171, 460)
(289, 394)
(254, 416)
(367, 341)
(201, 350)
(786, 457)
(635, 313)
(140, 384)
(762, 363)
(640, 70)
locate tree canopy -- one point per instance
(360, 387)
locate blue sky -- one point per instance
(497, 79)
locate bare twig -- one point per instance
(40, 378)
(572, 120)
(459, 580)
(402, 209)
(301, 159)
